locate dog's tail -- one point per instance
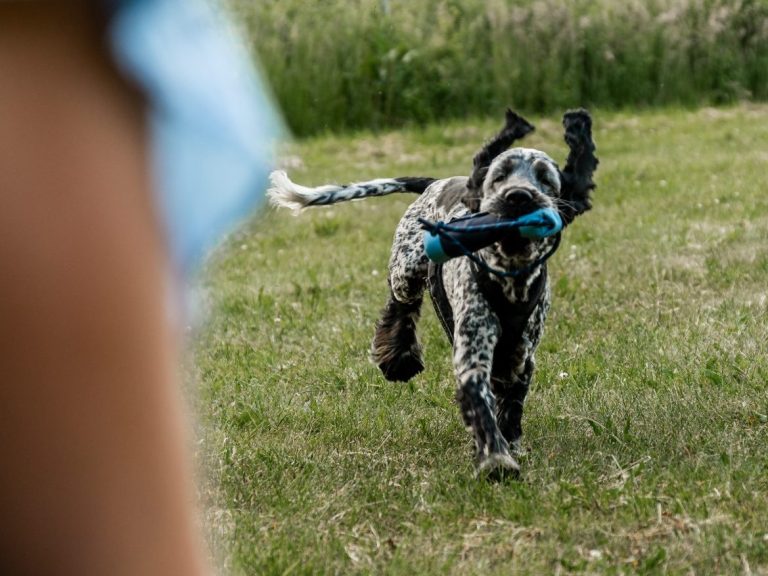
(287, 194)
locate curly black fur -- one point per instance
(395, 349)
(576, 177)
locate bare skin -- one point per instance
(94, 473)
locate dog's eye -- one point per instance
(544, 175)
(498, 177)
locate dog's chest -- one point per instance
(516, 307)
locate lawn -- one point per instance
(646, 428)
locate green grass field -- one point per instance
(647, 425)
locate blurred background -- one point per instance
(345, 64)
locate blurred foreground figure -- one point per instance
(128, 142)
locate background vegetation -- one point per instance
(341, 64)
(647, 424)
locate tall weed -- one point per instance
(337, 65)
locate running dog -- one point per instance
(493, 308)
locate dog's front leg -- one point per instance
(510, 395)
(475, 336)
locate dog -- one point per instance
(492, 307)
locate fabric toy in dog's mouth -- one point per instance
(443, 241)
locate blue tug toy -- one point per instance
(462, 236)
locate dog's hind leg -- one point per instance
(512, 378)
(396, 349)
(510, 397)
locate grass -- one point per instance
(647, 424)
(350, 64)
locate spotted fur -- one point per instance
(495, 323)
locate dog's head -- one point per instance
(520, 181)
(516, 183)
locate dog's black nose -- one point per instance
(518, 196)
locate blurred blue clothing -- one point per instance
(213, 125)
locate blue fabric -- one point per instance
(443, 241)
(213, 125)
(463, 236)
(540, 223)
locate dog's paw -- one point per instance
(578, 129)
(518, 451)
(402, 367)
(498, 468)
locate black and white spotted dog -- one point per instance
(494, 321)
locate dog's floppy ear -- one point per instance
(515, 127)
(576, 177)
